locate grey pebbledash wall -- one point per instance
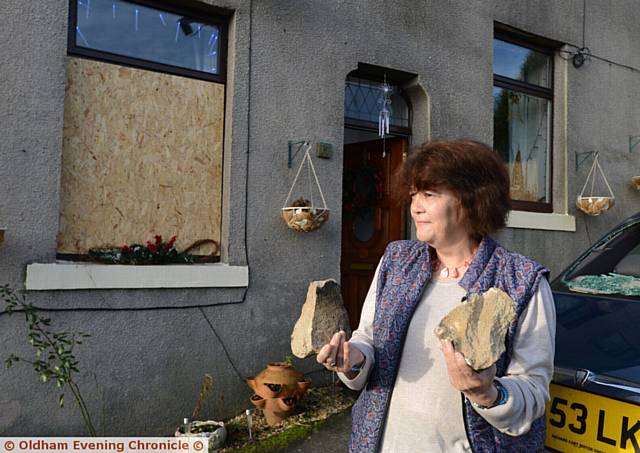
(287, 67)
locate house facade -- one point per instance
(110, 139)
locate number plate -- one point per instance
(580, 421)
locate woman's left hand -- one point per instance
(477, 386)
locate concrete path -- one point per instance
(331, 437)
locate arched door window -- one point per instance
(362, 106)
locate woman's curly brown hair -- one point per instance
(471, 170)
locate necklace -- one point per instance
(453, 272)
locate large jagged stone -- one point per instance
(478, 327)
(323, 314)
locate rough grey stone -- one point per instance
(323, 314)
(478, 327)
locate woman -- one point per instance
(412, 383)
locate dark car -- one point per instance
(595, 393)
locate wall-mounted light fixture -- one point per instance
(580, 56)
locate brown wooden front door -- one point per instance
(370, 219)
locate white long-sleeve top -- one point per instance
(425, 411)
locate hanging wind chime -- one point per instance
(385, 114)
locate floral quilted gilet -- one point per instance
(404, 272)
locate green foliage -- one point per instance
(153, 252)
(283, 439)
(289, 360)
(319, 405)
(54, 359)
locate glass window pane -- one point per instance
(608, 254)
(137, 31)
(630, 263)
(521, 63)
(364, 226)
(521, 136)
(362, 102)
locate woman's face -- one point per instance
(438, 217)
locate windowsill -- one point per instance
(73, 275)
(541, 221)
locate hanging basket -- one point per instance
(595, 205)
(303, 215)
(304, 218)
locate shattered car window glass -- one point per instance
(612, 266)
(606, 284)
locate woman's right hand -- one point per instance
(340, 355)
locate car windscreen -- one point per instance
(612, 266)
(598, 333)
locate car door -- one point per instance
(595, 393)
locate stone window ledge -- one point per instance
(541, 221)
(73, 275)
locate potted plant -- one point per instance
(214, 431)
(278, 388)
(303, 215)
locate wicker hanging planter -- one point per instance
(302, 214)
(304, 218)
(595, 204)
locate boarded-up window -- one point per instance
(142, 155)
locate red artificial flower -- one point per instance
(169, 244)
(125, 248)
(158, 239)
(152, 247)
